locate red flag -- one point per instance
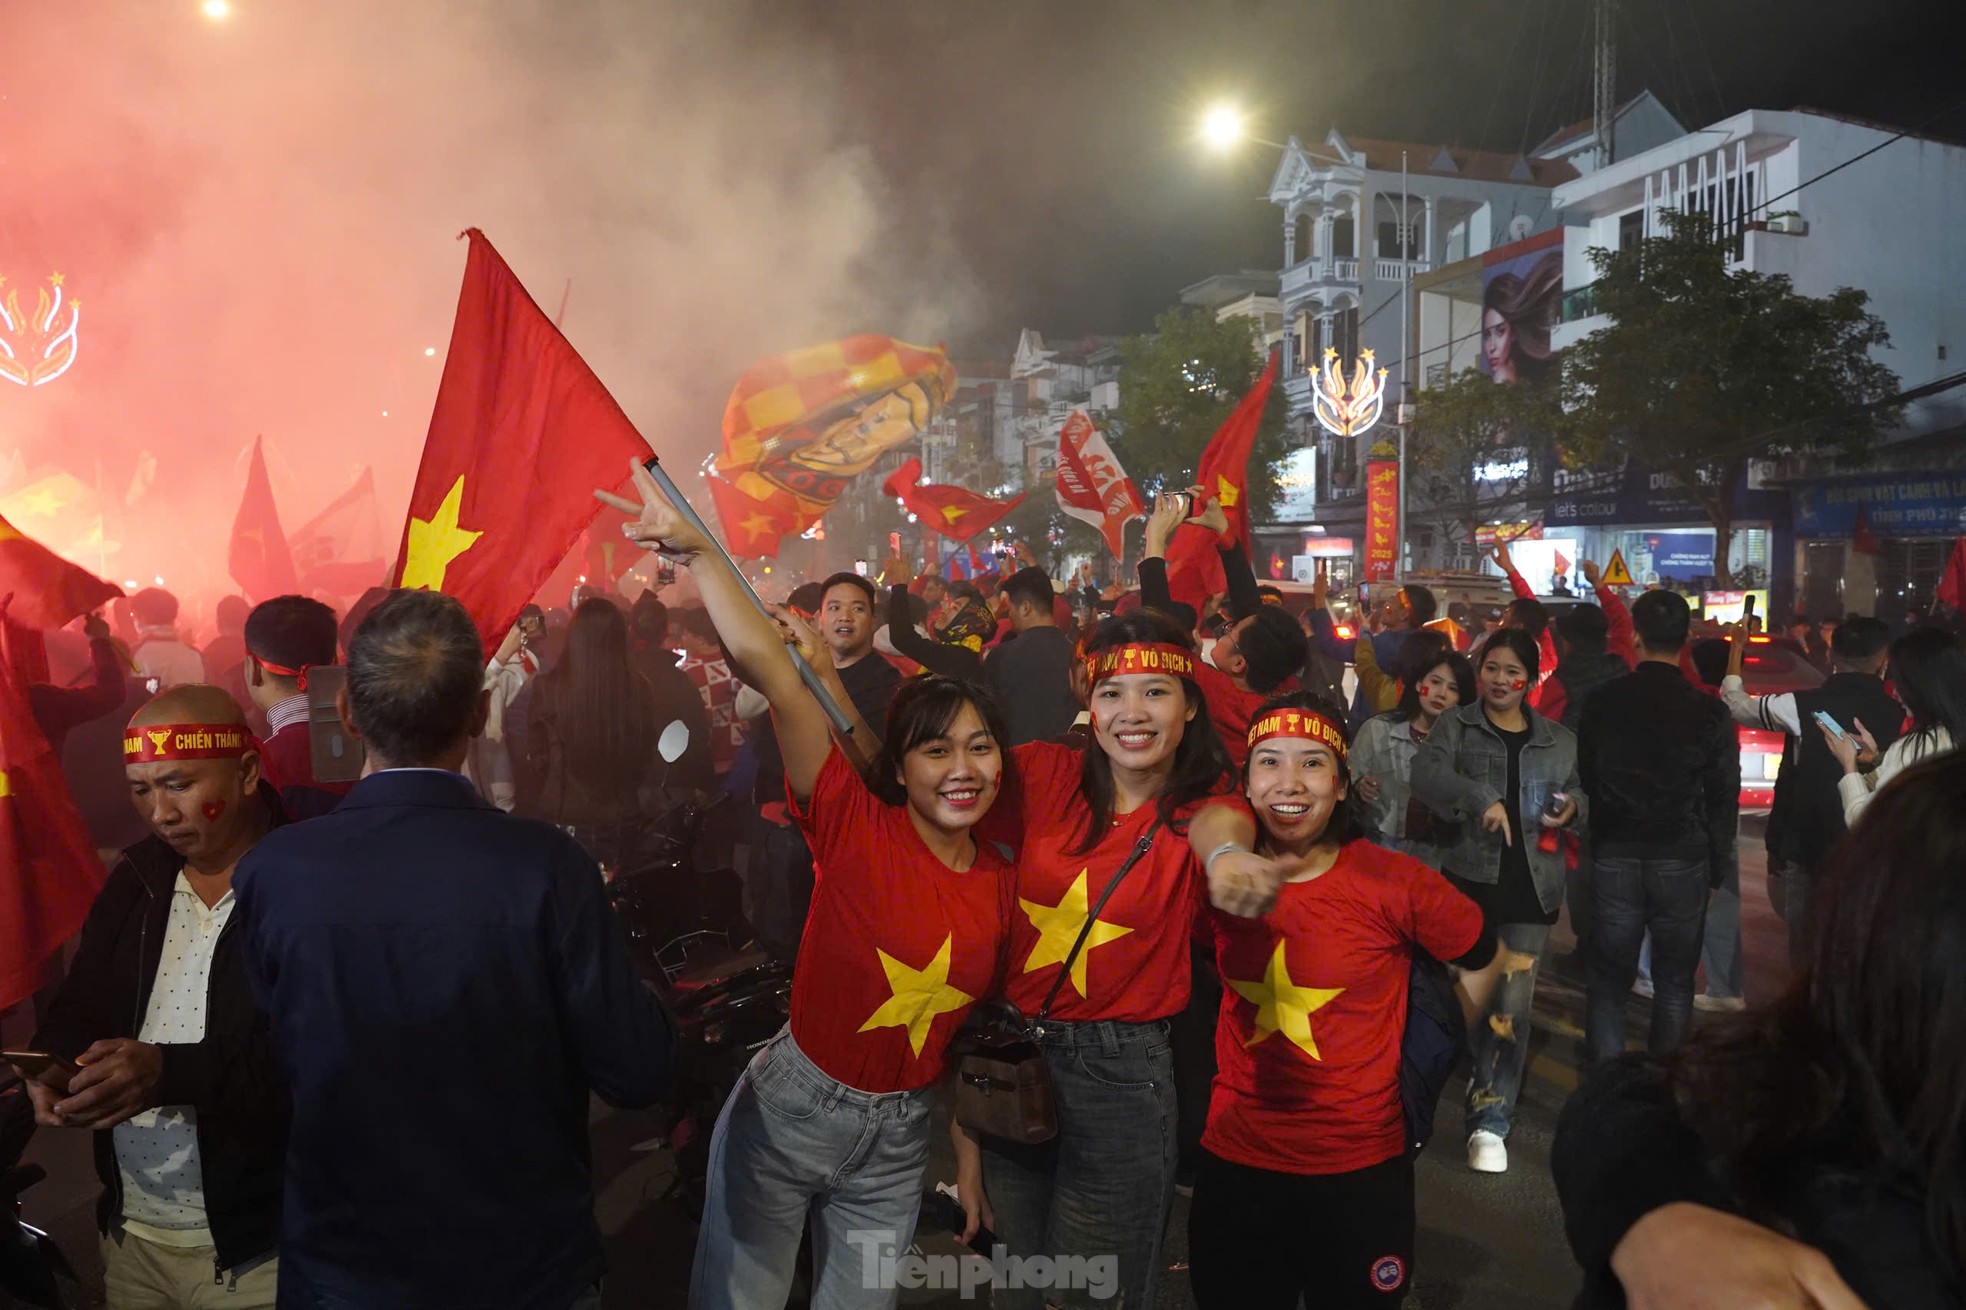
(1861, 540)
(1194, 570)
(1952, 585)
(1561, 561)
(521, 435)
(47, 590)
(949, 511)
(258, 560)
(49, 873)
(751, 526)
(1091, 485)
(340, 549)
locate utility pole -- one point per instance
(1405, 349)
(1604, 82)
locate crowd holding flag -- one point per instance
(258, 558)
(799, 426)
(521, 434)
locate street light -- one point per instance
(217, 10)
(1224, 127)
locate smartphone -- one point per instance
(32, 1064)
(1555, 805)
(1747, 608)
(1834, 728)
(942, 1211)
(1364, 595)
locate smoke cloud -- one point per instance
(258, 216)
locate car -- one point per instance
(1772, 665)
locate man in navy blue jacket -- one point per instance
(445, 984)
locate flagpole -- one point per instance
(841, 723)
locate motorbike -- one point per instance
(33, 1270)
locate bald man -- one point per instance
(170, 1061)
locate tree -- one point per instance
(1702, 366)
(1179, 385)
(1476, 450)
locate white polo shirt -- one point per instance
(157, 1151)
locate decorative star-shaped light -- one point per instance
(435, 542)
(1282, 1006)
(1227, 492)
(919, 995)
(1058, 927)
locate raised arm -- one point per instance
(1617, 615)
(752, 638)
(935, 656)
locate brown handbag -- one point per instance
(1002, 1088)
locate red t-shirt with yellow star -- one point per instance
(1314, 1009)
(897, 947)
(1134, 965)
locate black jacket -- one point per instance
(1807, 817)
(1581, 675)
(1622, 1150)
(1662, 765)
(230, 1078)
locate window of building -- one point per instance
(1344, 238)
(1631, 229)
(1301, 239)
(1344, 334)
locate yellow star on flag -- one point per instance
(1282, 1006)
(6, 785)
(435, 542)
(1227, 492)
(759, 524)
(1058, 927)
(919, 995)
(953, 512)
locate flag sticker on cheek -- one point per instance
(1517, 684)
(213, 810)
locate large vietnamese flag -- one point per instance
(49, 873)
(1194, 569)
(47, 590)
(258, 559)
(943, 508)
(521, 435)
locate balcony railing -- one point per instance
(1395, 270)
(1344, 270)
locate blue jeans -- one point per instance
(1103, 1186)
(1634, 895)
(793, 1143)
(1722, 949)
(1500, 1058)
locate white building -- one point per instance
(1802, 196)
(1360, 217)
(1250, 294)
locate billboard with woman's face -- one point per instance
(1521, 297)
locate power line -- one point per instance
(1838, 168)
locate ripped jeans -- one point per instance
(1500, 1058)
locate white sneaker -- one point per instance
(1643, 987)
(1487, 1153)
(1710, 1004)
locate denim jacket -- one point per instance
(1383, 750)
(1463, 768)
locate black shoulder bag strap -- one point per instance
(1140, 849)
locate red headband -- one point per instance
(1141, 657)
(186, 741)
(1298, 723)
(282, 671)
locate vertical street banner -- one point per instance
(1381, 520)
(1091, 486)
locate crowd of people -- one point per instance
(1249, 883)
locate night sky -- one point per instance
(1059, 136)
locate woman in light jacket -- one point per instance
(1506, 777)
(1382, 757)
(1928, 669)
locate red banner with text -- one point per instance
(1381, 520)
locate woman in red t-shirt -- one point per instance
(1305, 1188)
(1097, 1195)
(905, 934)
